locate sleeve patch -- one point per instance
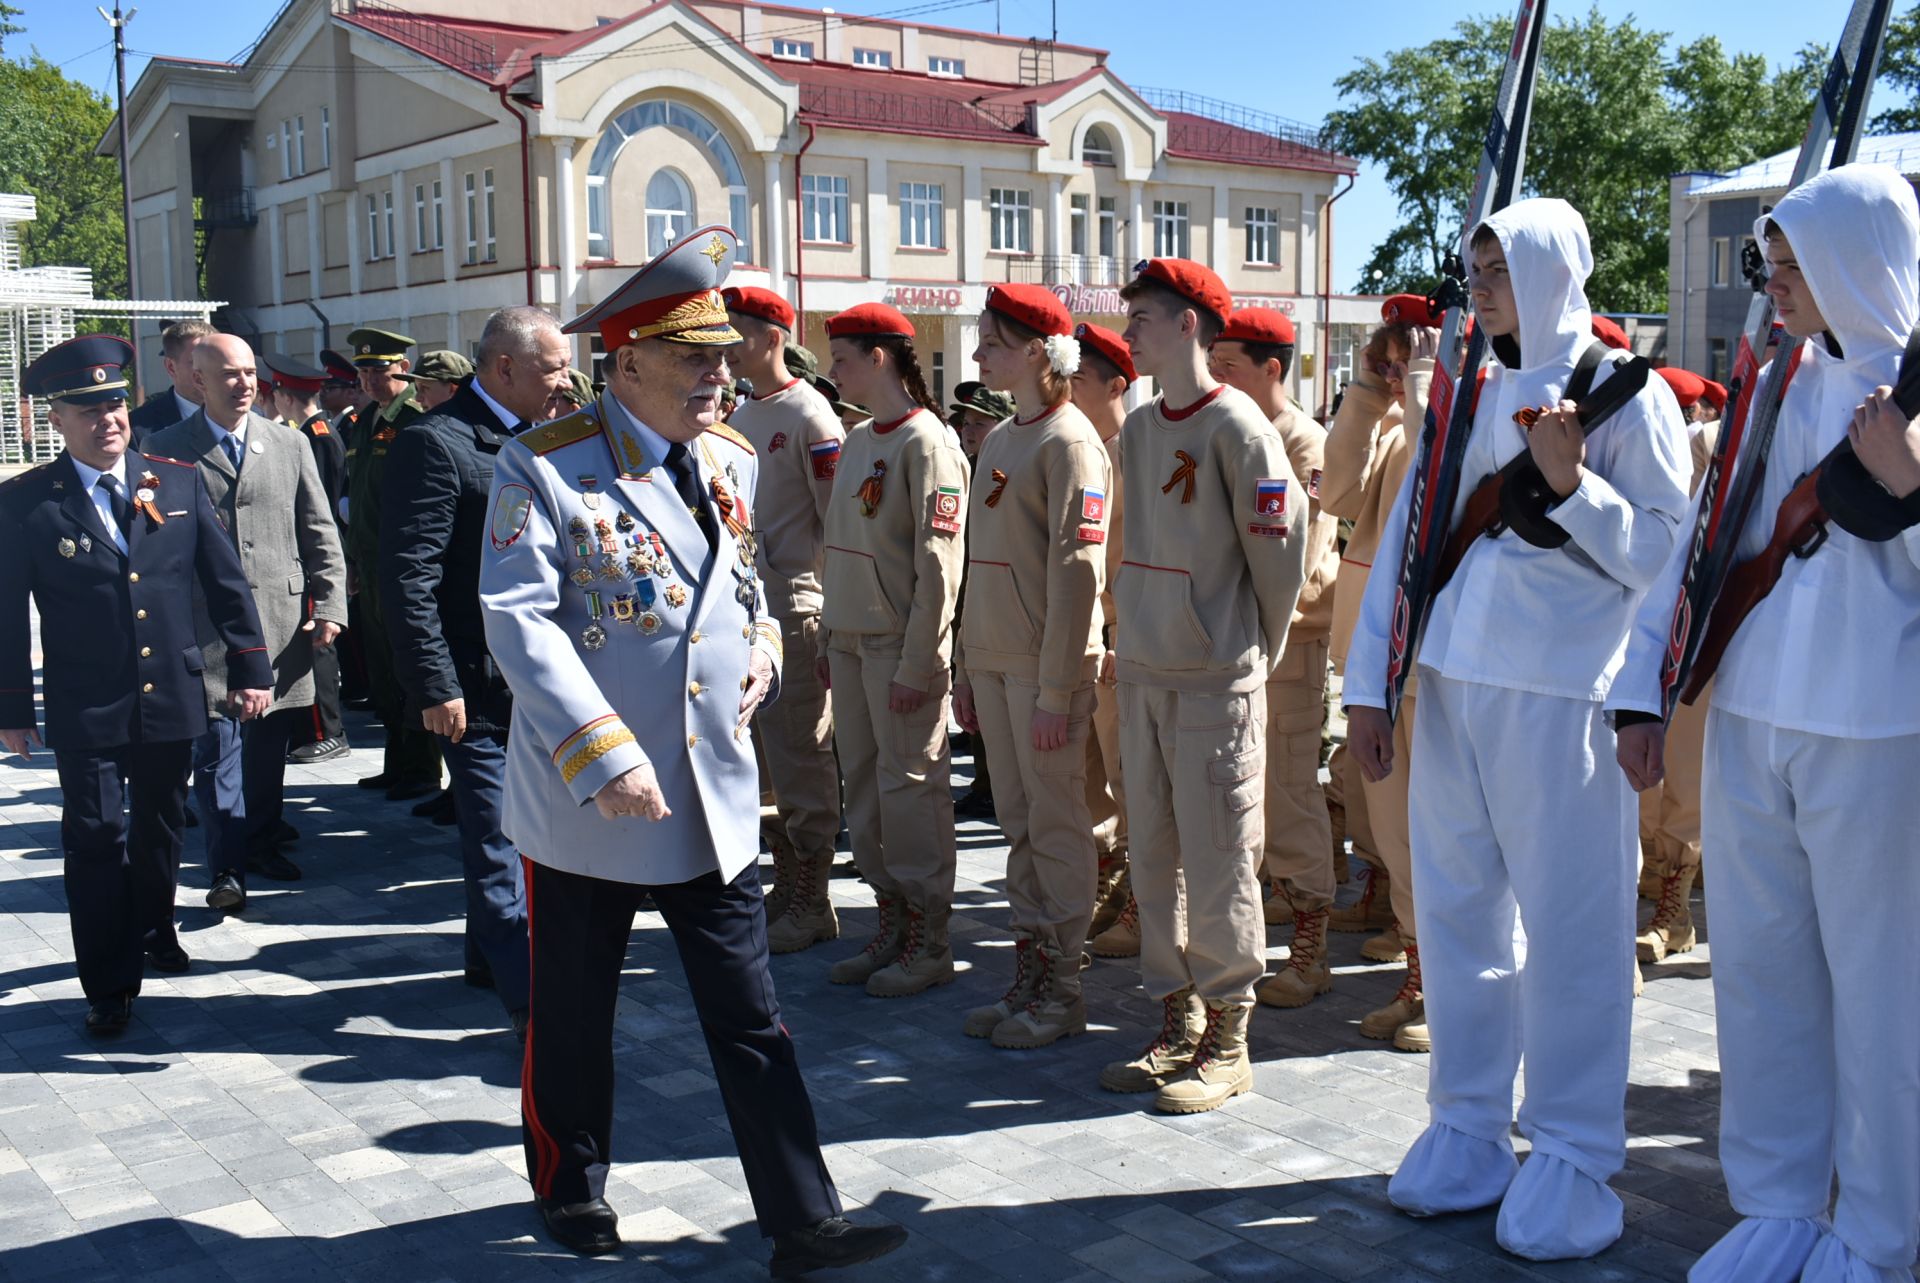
(826, 459)
(1091, 534)
(1267, 531)
(779, 439)
(510, 509)
(1093, 504)
(946, 509)
(1270, 499)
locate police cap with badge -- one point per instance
(89, 370)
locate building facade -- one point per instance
(415, 169)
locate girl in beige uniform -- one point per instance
(894, 555)
(1030, 643)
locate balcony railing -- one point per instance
(1228, 113)
(1069, 269)
(928, 113)
(224, 207)
(480, 58)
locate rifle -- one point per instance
(1748, 435)
(1443, 441)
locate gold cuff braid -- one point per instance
(593, 750)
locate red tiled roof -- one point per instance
(1198, 138)
(476, 49)
(905, 102)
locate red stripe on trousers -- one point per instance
(546, 1152)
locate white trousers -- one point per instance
(1810, 842)
(1516, 803)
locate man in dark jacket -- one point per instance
(434, 523)
(178, 400)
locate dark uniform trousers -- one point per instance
(239, 777)
(324, 720)
(496, 906)
(579, 927)
(120, 871)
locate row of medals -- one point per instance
(644, 560)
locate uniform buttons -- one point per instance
(747, 632)
(745, 682)
(146, 652)
(692, 740)
(134, 577)
(139, 614)
(693, 636)
(694, 689)
(147, 689)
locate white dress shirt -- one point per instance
(90, 478)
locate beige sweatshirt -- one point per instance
(1036, 554)
(798, 438)
(1114, 506)
(1367, 457)
(1306, 442)
(893, 565)
(1216, 546)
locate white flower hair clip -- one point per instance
(1063, 353)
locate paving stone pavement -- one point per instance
(322, 1097)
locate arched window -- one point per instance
(1097, 147)
(669, 210)
(673, 114)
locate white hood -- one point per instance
(1549, 258)
(1856, 233)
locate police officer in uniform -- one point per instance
(622, 603)
(108, 544)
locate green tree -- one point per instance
(1900, 70)
(1614, 115)
(7, 26)
(49, 125)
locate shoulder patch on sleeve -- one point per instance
(510, 509)
(548, 437)
(726, 433)
(320, 428)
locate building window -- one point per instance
(286, 149)
(1010, 215)
(386, 215)
(1718, 369)
(824, 215)
(1108, 223)
(1170, 229)
(1720, 262)
(1263, 235)
(419, 217)
(1077, 225)
(802, 49)
(326, 138)
(669, 210)
(480, 238)
(300, 144)
(873, 57)
(922, 220)
(946, 66)
(473, 218)
(373, 228)
(652, 114)
(439, 215)
(1097, 147)
(597, 216)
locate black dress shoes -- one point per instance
(433, 804)
(832, 1244)
(407, 790)
(384, 780)
(520, 1019)
(271, 863)
(110, 1015)
(975, 804)
(227, 894)
(319, 751)
(285, 834)
(171, 959)
(589, 1228)
(445, 815)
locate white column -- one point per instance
(1217, 238)
(569, 258)
(167, 220)
(773, 244)
(1138, 233)
(355, 206)
(399, 250)
(969, 327)
(973, 227)
(276, 256)
(316, 246)
(879, 238)
(1056, 218)
(450, 233)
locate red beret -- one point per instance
(751, 300)
(869, 319)
(1610, 333)
(1715, 393)
(1197, 284)
(1034, 306)
(1409, 309)
(1687, 386)
(1109, 345)
(1259, 325)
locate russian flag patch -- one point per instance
(826, 459)
(1093, 504)
(1270, 497)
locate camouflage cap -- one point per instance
(440, 366)
(978, 396)
(579, 387)
(801, 363)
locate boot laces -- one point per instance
(1410, 989)
(1022, 959)
(1173, 1022)
(1309, 938)
(1208, 1049)
(885, 933)
(1043, 965)
(1671, 901)
(916, 929)
(805, 884)
(1131, 914)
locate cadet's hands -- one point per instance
(323, 631)
(1423, 343)
(1049, 731)
(22, 742)
(1887, 443)
(759, 680)
(249, 704)
(904, 699)
(635, 793)
(1370, 740)
(1109, 669)
(1559, 447)
(963, 710)
(448, 719)
(1641, 750)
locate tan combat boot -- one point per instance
(809, 918)
(1221, 1067)
(1409, 1006)
(925, 959)
(784, 872)
(1122, 939)
(1650, 879)
(880, 951)
(1057, 1010)
(1305, 977)
(982, 1021)
(1110, 893)
(1388, 946)
(1671, 930)
(1373, 911)
(1278, 908)
(1183, 1019)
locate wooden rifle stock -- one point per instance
(1799, 529)
(1482, 516)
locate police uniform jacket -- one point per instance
(597, 694)
(123, 661)
(278, 518)
(433, 531)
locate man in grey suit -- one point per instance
(261, 477)
(621, 602)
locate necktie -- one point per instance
(680, 464)
(235, 451)
(117, 500)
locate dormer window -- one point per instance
(1097, 148)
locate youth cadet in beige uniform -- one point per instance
(1030, 650)
(894, 555)
(1216, 551)
(797, 436)
(1254, 354)
(1100, 392)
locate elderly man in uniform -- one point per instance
(261, 477)
(111, 546)
(622, 603)
(437, 377)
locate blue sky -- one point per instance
(1283, 61)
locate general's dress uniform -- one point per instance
(111, 561)
(1030, 643)
(797, 438)
(894, 560)
(1215, 556)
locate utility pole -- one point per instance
(119, 25)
